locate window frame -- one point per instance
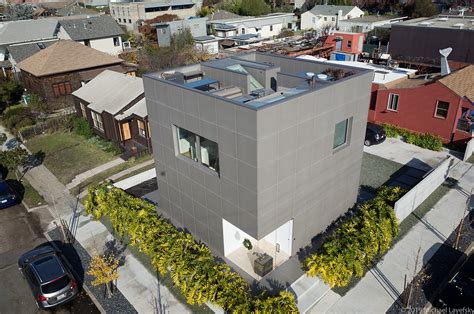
(347, 134)
(116, 41)
(389, 102)
(97, 121)
(437, 108)
(61, 89)
(349, 44)
(141, 129)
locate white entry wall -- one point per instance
(234, 237)
(282, 237)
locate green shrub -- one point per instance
(359, 242)
(82, 127)
(193, 269)
(106, 146)
(15, 117)
(428, 141)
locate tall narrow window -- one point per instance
(116, 41)
(442, 108)
(83, 110)
(271, 28)
(243, 31)
(393, 102)
(187, 143)
(97, 119)
(349, 43)
(141, 128)
(340, 133)
(209, 154)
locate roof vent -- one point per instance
(444, 60)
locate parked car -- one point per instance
(50, 280)
(8, 196)
(374, 134)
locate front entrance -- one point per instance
(126, 131)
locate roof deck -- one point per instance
(257, 80)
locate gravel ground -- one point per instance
(79, 260)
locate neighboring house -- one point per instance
(418, 41)
(18, 32)
(208, 44)
(257, 147)
(345, 42)
(165, 30)
(322, 16)
(437, 106)
(367, 23)
(58, 70)
(19, 52)
(265, 26)
(130, 14)
(98, 32)
(113, 103)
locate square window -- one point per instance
(209, 154)
(187, 143)
(393, 102)
(442, 108)
(340, 133)
(116, 41)
(349, 43)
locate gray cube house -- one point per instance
(257, 146)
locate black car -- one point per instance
(374, 134)
(8, 196)
(51, 282)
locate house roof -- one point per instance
(91, 28)
(222, 15)
(331, 9)
(110, 91)
(461, 82)
(21, 52)
(66, 56)
(27, 30)
(374, 19)
(74, 10)
(139, 109)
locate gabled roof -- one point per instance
(27, 30)
(66, 56)
(21, 52)
(91, 28)
(331, 9)
(110, 91)
(461, 82)
(139, 109)
(222, 15)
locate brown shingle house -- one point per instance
(114, 105)
(58, 70)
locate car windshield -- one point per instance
(55, 285)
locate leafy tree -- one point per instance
(105, 271)
(22, 11)
(254, 8)
(14, 158)
(182, 39)
(37, 104)
(10, 92)
(82, 127)
(421, 8)
(230, 5)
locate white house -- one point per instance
(265, 26)
(321, 16)
(367, 23)
(99, 32)
(209, 44)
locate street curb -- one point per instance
(30, 209)
(86, 289)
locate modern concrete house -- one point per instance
(257, 147)
(165, 30)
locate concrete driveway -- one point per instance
(21, 231)
(407, 154)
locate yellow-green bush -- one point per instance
(357, 243)
(191, 265)
(426, 140)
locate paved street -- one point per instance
(21, 231)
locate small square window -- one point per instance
(349, 43)
(340, 133)
(393, 102)
(187, 143)
(442, 108)
(209, 154)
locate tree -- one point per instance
(181, 40)
(37, 104)
(22, 11)
(421, 8)
(254, 8)
(10, 92)
(105, 270)
(14, 158)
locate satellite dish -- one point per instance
(446, 51)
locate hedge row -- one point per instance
(191, 265)
(425, 140)
(357, 243)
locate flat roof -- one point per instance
(373, 19)
(442, 21)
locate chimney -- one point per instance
(444, 60)
(338, 17)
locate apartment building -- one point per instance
(130, 13)
(258, 147)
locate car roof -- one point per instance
(4, 187)
(48, 268)
(374, 127)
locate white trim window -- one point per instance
(393, 102)
(442, 108)
(97, 119)
(83, 110)
(141, 128)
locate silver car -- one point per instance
(49, 278)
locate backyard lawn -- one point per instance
(68, 154)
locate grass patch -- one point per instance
(164, 280)
(377, 170)
(407, 224)
(31, 197)
(68, 154)
(111, 171)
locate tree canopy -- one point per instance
(254, 8)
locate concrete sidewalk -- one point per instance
(382, 285)
(92, 172)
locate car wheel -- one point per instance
(367, 143)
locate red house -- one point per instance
(346, 42)
(441, 106)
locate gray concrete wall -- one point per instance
(300, 175)
(420, 192)
(469, 149)
(228, 77)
